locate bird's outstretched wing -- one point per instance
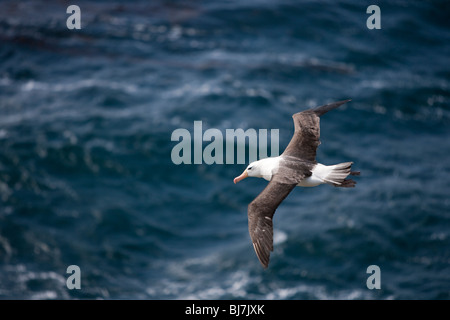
(260, 214)
(305, 140)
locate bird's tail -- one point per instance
(338, 173)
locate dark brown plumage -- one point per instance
(305, 140)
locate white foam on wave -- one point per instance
(317, 292)
(206, 285)
(5, 245)
(77, 85)
(3, 134)
(44, 275)
(279, 237)
(236, 286)
(187, 282)
(45, 295)
(19, 280)
(226, 280)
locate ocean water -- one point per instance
(87, 179)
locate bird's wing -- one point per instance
(305, 140)
(260, 214)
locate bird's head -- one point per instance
(252, 170)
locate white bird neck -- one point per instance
(268, 167)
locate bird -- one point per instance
(296, 166)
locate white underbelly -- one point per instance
(316, 177)
(311, 181)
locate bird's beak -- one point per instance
(241, 177)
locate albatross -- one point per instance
(296, 166)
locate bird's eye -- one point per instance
(250, 168)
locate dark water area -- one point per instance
(87, 179)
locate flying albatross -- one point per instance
(296, 166)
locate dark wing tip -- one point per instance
(325, 108)
(262, 239)
(261, 230)
(263, 256)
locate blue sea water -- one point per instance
(86, 176)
